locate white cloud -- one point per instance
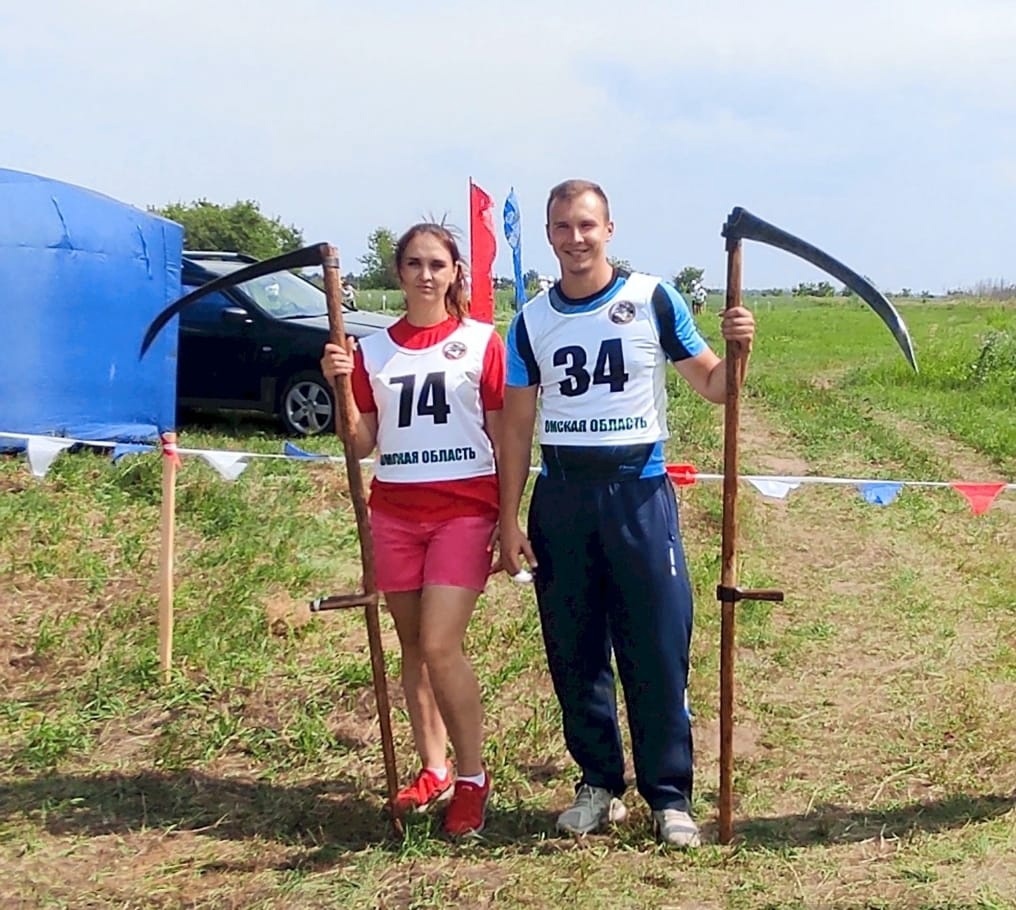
(340, 116)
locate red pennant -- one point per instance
(979, 495)
(682, 475)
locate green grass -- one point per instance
(964, 390)
(874, 736)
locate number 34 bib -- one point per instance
(603, 371)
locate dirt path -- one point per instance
(850, 702)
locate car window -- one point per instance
(206, 310)
(283, 295)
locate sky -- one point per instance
(883, 131)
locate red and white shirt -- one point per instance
(430, 388)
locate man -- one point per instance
(698, 299)
(349, 295)
(603, 539)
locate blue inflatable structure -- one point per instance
(81, 277)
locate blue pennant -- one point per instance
(292, 451)
(880, 493)
(129, 448)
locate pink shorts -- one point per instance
(409, 555)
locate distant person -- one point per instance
(267, 294)
(428, 396)
(589, 358)
(698, 299)
(349, 295)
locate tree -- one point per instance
(688, 279)
(238, 228)
(809, 289)
(378, 262)
(622, 265)
(531, 282)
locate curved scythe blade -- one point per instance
(298, 259)
(743, 225)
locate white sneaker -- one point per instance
(594, 808)
(676, 828)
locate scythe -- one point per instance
(742, 225)
(327, 257)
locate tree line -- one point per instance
(243, 228)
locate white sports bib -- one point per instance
(602, 372)
(430, 414)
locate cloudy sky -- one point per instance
(884, 131)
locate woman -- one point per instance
(428, 394)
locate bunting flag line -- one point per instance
(294, 451)
(682, 475)
(120, 449)
(979, 495)
(42, 451)
(228, 464)
(774, 489)
(880, 493)
(513, 234)
(482, 250)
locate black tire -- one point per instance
(306, 405)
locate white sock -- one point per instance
(440, 773)
(478, 779)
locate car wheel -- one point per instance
(306, 406)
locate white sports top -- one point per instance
(602, 371)
(430, 414)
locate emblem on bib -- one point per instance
(454, 350)
(622, 312)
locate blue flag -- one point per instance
(878, 493)
(293, 451)
(128, 448)
(513, 234)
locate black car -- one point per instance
(257, 346)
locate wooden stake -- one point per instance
(166, 553)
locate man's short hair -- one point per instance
(569, 189)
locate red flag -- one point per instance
(979, 495)
(482, 249)
(682, 475)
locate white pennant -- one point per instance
(42, 452)
(229, 465)
(774, 489)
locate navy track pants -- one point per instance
(612, 574)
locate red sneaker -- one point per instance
(468, 809)
(424, 792)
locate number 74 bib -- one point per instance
(430, 414)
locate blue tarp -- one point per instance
(81, 277)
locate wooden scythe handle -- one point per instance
(345, 428)
(728, 572)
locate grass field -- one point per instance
(876, 707)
